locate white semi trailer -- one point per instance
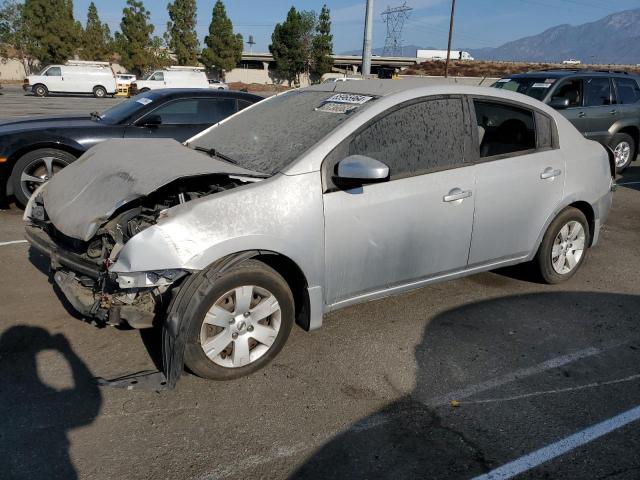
(442, 55)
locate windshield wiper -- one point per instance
(212, 152)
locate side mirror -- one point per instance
(559, 103)
(359, 170)
(151, 121)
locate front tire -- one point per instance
(40, 91)
(237, 321)
(624, 150)
(563, 246)
(35, 168)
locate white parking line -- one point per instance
(518, 374)
(543, 455)
(12, 242)
(630, 378)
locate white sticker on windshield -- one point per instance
(144, 101)
(348, 98)
(541, 85)
(504, 80)
(334, 107)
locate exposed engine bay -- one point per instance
(81, 267)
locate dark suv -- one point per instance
(603, 105)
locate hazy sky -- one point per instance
(479, 23)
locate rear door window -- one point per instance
(628, 90)
(504, 129)
(597, 92)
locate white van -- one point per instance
(97, 78)
(172, 77)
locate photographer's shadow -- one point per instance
(36, 417)
(409, 439)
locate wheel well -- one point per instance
(296, 280)
(634, 132)
(587, 210)
(99, 86)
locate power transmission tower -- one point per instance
(251, 43)
(395, 18)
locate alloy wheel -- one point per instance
(568, 247)
(621, 153)
(241, 326)
(38, 172)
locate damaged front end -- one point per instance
(81, 268)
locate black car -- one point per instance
(603, 105)
(32, 150)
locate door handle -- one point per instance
(550, 173)
(613, 112)
(582, 115)
(456, 194)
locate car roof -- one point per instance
(421, 87)
(562, 73)
(204, 92)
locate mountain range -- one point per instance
(614, 39)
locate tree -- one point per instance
(308, 20)
(11, 30)
(134, 43)
(181, 34)
(50, 31)
(323, 44)
(287, 47)
(97, 42)
(224, 48)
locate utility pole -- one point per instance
(368, 35)
(446, 65)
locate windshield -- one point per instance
(124, 110)
(270, 135)
(536, 87)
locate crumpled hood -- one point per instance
(81, 197)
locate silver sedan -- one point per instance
(314, 200)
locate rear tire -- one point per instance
(40, 90)
(624, 150)
(99, 92)
(39, 166)
(235, 304)
(563, 247)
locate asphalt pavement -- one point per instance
(490, 376)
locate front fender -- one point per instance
(283, 215)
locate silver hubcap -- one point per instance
(38, 172)
(241, 326)
(622, 152)
(568, 247)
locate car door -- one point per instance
(54, 79)
(418, 224)
(571, 89)
(181, 119)
(628, 97)
(599, 111)
(520, 175)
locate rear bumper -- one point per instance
(601, 213)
